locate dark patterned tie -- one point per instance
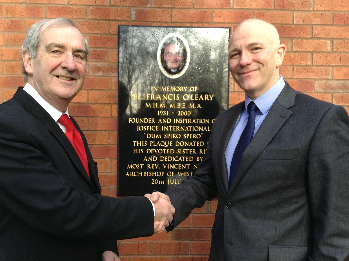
(75, 139)
(244, 140)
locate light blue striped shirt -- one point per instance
(264, 103)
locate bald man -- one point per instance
(283, 195)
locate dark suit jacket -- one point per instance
(49, 208)
(289, 200)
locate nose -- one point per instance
(69, 62)
(245, 59)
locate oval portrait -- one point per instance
(173, 55)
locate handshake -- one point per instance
(164, 211)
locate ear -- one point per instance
(27, 62)
(280, 55)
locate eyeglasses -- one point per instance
(170, 54)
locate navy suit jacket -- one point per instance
(49, 208)
(289, 200)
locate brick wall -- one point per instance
(315, 33)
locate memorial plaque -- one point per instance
(173, 82)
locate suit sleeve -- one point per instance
(194, 191)
(328, 182)
(36, 192)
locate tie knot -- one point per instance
(252, 107)
(66, 122)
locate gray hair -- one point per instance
(32, 40)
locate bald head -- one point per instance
(253, 26)
(255, 56)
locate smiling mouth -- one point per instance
(65, 78)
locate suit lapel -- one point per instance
(227, 131)
(42, 116)
(276, 118)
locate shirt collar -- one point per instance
(266, 100)
(55, 113)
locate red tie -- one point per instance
(75, 139)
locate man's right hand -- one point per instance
(164, 210)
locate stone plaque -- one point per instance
(173, 82)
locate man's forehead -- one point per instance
(54, 36)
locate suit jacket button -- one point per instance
(228, 204)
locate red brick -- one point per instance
(11, 81)
(214, 204)
(24, 11)
(88, 2)
(113, 138)
(168, 248)
(14, 39)
(312, 18)
(113, 56)
(198, 248)
(9, 25)
(286, 71)
(107, 179)
(67, 12)
(155, 15)
(226, 16)
(297, 59)
(187, 222)
(90, 110)
(341, 99)
(81, 97)
(341, 73)
(104, 41)
(104, 152)
(310, 45)
(236, 97)
(12, 67)
(132, 248)
(99, 27)
(165, 237)
(312, 72)
(110, 13)
(341, 45)
(262, 4)
(275, 17)
(97, 83)
(205, 220)
(98, 138)
(8, 94)
(332, 86)
(330, 59)
(294, 4)
(56, 2)
(295, 31)
(302, 85)
(188, 234)
(98, 55)
(152, 258)
(193, 258)
(103, 123)
(10, 54)
(130, 2)
(103, 69)
(103, 165)
(212, 4)
(331, 31)
(103, 96)
(332, 5)
(191, 16)
(341, 18)
(173, 3)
